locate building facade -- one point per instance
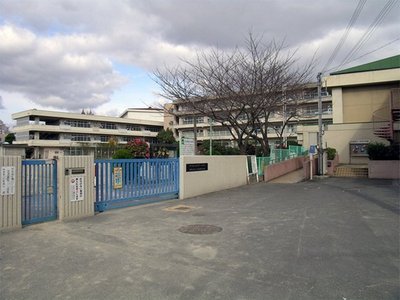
(181, 119)
(366, 108)
(48, 134)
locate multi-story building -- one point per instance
(50, 133)
(181, 119)
(360, 105)
(366, 108)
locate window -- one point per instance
(152, 128)
(104, 138)
(76, 151)
(189, 120)
(131, 127)
(77, 123)
(105, 125)
(127, 138)
(80, 138)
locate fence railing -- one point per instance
(278, 155)
(122, 182)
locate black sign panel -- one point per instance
(196, 167)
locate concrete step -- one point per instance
(351, 172)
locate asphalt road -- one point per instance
(337, 238)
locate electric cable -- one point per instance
(367, 35)
(339, 45)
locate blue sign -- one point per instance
(313, 149)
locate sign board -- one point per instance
(117, 179)
(313, 149)
(77, 187)
(7, 181)
(252, 165)
(196, 167)
(186, 146)
(359, 148)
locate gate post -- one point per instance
(10, 193)
(75, 193)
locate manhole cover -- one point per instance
(200, 229)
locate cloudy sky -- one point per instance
(73, 54)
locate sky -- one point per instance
(69, 55)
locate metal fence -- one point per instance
(125, 182)
(39, 191)
(278, 155)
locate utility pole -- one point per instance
(195, 134)
(211, 133)
(320, 150)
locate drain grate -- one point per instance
(200, 229)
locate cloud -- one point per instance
(66, 59)
(1, 103)
(62, 72)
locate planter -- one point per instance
(384, 169)
(331, 165)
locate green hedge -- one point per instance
(379, 151)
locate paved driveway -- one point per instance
(331, 239)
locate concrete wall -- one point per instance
(282, 168)
(68, 208)
(360, 103)
(385, 169)
(10, 202)
(223, 172)
(10, 150)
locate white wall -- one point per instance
(67, 208)
(223, 172)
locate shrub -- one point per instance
(139, 148)
(331, 152)
(122, 154)
(379, 151)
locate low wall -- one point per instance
(332, 164)
(276, 170)
(306, 167)
(223, 172)
(384, 169)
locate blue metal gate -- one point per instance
(126, 182)
(39, 191)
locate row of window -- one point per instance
(190, 120)
(112, 126)
(77, 123)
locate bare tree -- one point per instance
(239, 89)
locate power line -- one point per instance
(339, 45)
(365, 54)
(367, 35)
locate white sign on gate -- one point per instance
(7, 181)
(77, 188)
(186, 146)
